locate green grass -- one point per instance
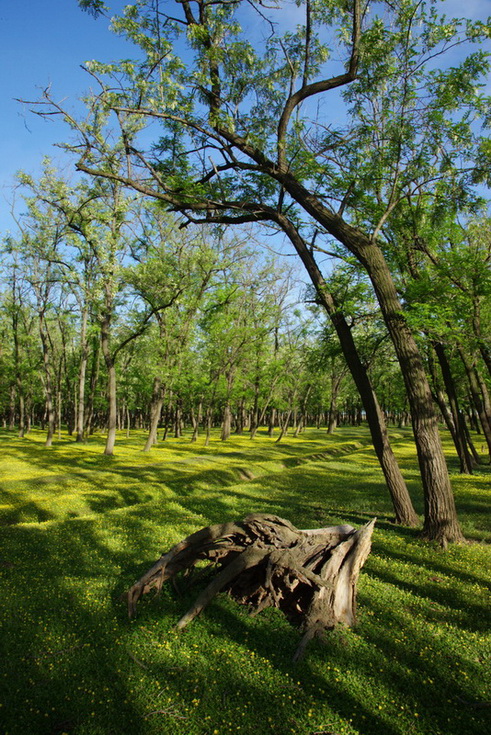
(77, 528)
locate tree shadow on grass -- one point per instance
(260, 690)
(62, 667)
(74, 664)
(372, 677)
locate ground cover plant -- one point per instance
(78, 528)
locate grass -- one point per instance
(77, 529)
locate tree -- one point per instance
(241, 140)
(176, 267)
(239, 315)
(38, 250)
(77, 264)
(17, 313)
(445, 282)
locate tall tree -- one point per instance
(175, 267)
(243, 121)
(38, 249)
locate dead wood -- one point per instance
(264, 561)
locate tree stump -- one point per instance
(264, 561)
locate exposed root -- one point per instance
(264, 561)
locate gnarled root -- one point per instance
(263, 561)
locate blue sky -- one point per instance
(44, 42)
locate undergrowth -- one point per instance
(77, 529)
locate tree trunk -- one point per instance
(58, 412)
(111, 384)
(84, 353)
(458, 435)
(335, 386)
(12, 408)
(264, 561)
(477, 398)
(94, 377)
(197, 420)
(301, 420)
(227, 411)
(48, 381)
(18, 375)
(484, 393)
(209, 411)
(470, 443)
(255, 410)
(227, 422)
(483, 343)
(284, 425)
(22, 425)
(473, 417)
(178, 419)
(486, 356)
(401, 501)
(241, 417)
(258, 420)
(158, 396)
(441, 521)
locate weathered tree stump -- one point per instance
(264, 561)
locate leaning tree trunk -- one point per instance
(401, 500)
(264, 561)
(441, 522)
(284, 426)
(458, 434)
(475, 454)
(477, 398)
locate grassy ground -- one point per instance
(77, 528)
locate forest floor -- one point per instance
(78, 528)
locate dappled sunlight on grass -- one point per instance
(78, 528)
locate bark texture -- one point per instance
(158, 396)
(401, 500)
(264, 561)
(111, 383)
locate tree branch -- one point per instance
(309, 90)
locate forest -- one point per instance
(114, 318)
(230, 255)
(245, 326)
